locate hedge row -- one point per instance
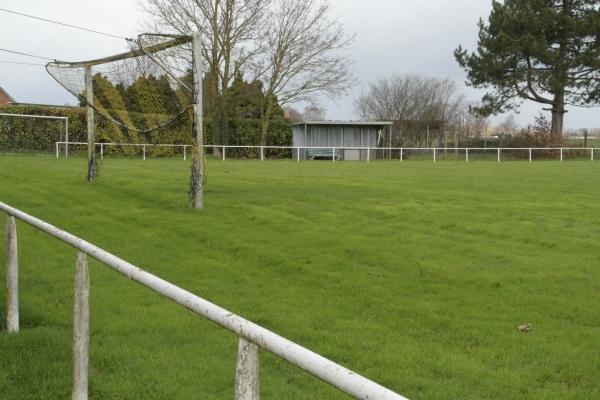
(40, 135)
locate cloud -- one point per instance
(392, 36)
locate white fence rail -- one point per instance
(251, 336)
(336, 152)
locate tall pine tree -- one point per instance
(546, 51)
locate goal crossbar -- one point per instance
(129, 54)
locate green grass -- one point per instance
(415, 275)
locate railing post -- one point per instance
(67, 137)
(224, 149)
(247, 383)
(184, 153)
(298, 155)
(81, 329)
(434, 156)
(101, 151)
(467, 154)
(57, 150)
(592, 154)
(368, 155)
(262, 153)
(144, 151)
(561, 155)
(12, 277)
(401, 155)
(498, 155)
(530, 155)
(333, 155)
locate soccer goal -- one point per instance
(33, 134)
(150, 94)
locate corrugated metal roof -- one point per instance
(346, 123)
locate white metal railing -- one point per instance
(251, 336)
(336, 152)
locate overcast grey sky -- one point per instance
(392, 36)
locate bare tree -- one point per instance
(230, 29)
(411, 98)
(293, 114)
(416, 102)
(304, 55)
(509, 126)
(314, 112)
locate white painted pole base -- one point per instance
(81, 329)
(247, 384)
(12, 277)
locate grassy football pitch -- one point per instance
(415, 275)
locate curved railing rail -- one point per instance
(251, 336)
(336, 152)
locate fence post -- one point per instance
(467, 154)
(561, 155)
(262, 153)
(401, 155)
(184, 152)
(12, 277)
(247, 383)
(498, 154)
(368, 154)
(333, 155)
(57, 150)
(101, 151)
(434, 156)
(67, 137)
(144, 151)
(224, 149)
(592, 154)
(530, 156)
(81, 329)
(298, 155)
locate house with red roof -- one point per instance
(5, 97)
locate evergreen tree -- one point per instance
(547, 51)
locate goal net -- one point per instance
(141, 96)
(153, 92)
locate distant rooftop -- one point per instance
(5, 97)
(346, 123)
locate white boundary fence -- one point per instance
(65, 119)
(336, 152)
(251, 336)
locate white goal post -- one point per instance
(65, 119)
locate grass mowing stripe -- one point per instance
(415, 275)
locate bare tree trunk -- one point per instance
(266, 119)
(558, 117)
(558, 114)
(560, 76)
